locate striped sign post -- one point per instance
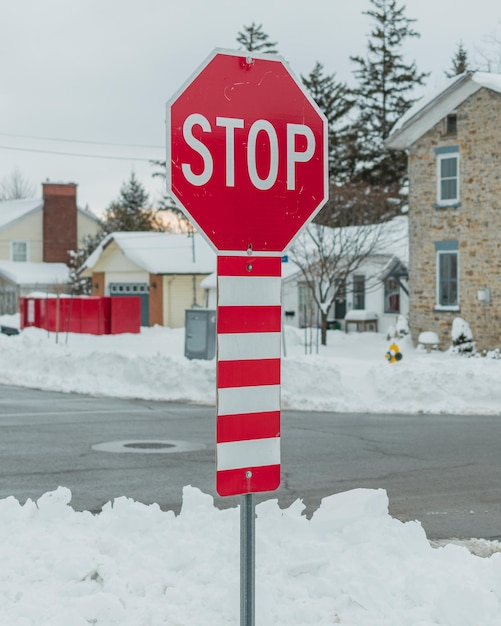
(247, 162)
(248, 374)
(249, 319)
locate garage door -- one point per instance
(134, 289)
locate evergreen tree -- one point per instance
(77, 258)
(253, 39)
(335, 101)
(460, 62)
(131, 211)
(385, 85)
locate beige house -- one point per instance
(453, 142)
(35, 237)
(164, 269)
(44, 229)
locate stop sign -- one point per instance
(246, 152)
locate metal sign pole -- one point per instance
(247, 560)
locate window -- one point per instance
(447, 274)
(447, 176)
(306, 305)
(391, 295)
(451, 124)
(19, 251)
(359, 291)
(340, 300)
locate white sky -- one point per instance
(102, 71)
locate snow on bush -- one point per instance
(462, 337)
(400, 330)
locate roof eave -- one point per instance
(432, 112)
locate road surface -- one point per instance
(443, 470)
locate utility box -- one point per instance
(200, 334)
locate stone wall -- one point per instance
(475, 224)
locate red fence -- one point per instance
(96, 315)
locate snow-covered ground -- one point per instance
(350, 374)
(350, 564)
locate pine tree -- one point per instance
(335, 101)
(253, 39)
(385, 85)
(77, 258)
(131, 211)
(460, 62)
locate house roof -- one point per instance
(433, 107)
(387, 239)
(13, 210)
(289, 268)
(159, 253)
(392, 245)
(33, 274)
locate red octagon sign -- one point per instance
(246, 152)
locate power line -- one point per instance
(95, 143)
(74, 154)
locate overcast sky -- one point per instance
(98, 72)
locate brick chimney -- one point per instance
(59, 221)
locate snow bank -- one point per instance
(135, 565)
(350, 374)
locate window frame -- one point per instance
(440, 280)
(389, 294)
(16, 242)
(306, 304)
(357, 292)
(450, 154)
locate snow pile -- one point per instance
(350, 374)
(462, 337)
(351, 563)
(134, 565)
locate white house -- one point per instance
(376, 290)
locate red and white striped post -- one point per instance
(249, 323)
(247, 162)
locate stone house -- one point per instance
(453, 142)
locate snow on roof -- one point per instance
(289, 268)
(12, 210)
(388, 239)
(488, 80)
(395, 238)
(31, 274)
(161, 253)
(168, 253)
(436, 104)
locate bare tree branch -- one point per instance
(327, 257)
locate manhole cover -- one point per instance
(149, 445)
(145, 446)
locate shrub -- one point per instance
(462, 337)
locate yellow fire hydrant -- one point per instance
(393, 353)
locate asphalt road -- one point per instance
(443, 470)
